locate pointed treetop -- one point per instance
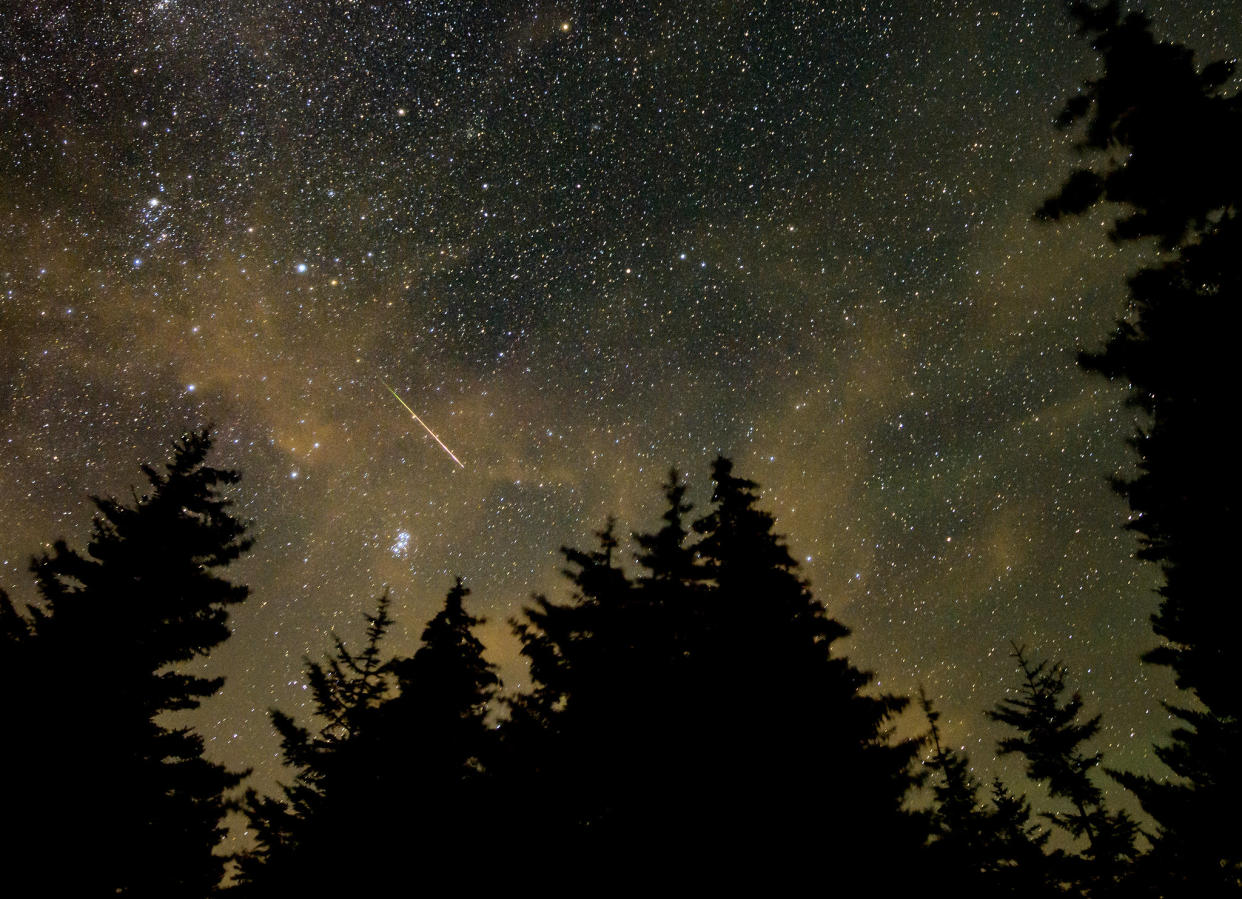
(665, 553)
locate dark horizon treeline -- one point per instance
(689, 721)
(669, 713)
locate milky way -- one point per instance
(589, 241)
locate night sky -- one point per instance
(584, 242)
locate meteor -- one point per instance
(424, 424)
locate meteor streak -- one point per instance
(424, 424)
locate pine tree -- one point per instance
(665, 554)
(985, 848)
(324, 812)
(106, 782)
(563, 736)
(694, 720)
(1161, 137)
(798, 717)
(434, 746)
(1019, 846)
(389, 788)
(447, 686)
(1050, 738)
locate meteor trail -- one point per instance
(424, 424)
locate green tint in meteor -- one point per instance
(424, 424)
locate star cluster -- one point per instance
(585, 241)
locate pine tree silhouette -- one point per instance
(389, 789)
(695, 722)
(324, 813)
(563, 737)
(666, 556)
(821, 768)
(434, 749)
(1050, 738)
(105, 781)
(984, 847)
(1161, 137)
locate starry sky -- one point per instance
(584, 242)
